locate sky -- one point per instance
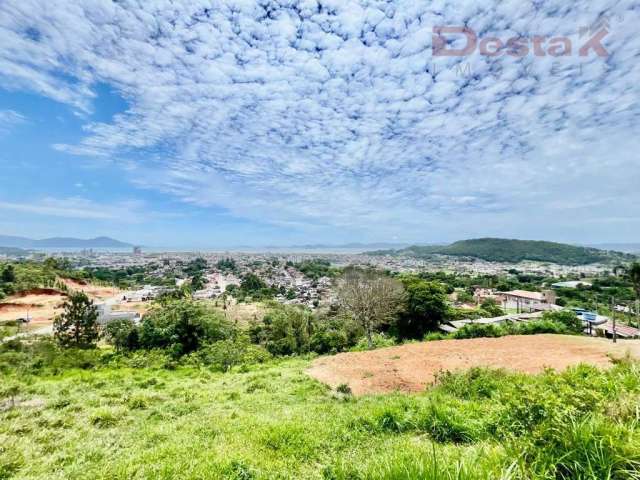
(221, 123)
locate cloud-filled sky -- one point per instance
(255, 122)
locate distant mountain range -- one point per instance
(347, 246)
(514, 251)
(61, 242)
(13, 252)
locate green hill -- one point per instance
(506, 250)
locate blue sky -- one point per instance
(221, 123)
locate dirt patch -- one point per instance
(41, 307)
(412, 367)
(39, 291)
(94, 291)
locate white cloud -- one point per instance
(336, 114)
(9, 119)
(80, 208)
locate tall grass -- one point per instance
(102, 416)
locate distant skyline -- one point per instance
(214, 124)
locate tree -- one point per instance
(567, 318)
(8, 274)
(425, 308)
(182, 326)
(633, 273)
(284, 331)
(491, 307)
(77, 326)
(251, 283)
(370, 297)
(122, 334)
(197, 282)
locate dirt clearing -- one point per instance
(40, 307)
(97, 292)
(410, 368)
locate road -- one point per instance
(47, 330)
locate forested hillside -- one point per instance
(505, 250)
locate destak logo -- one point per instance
(536, 45)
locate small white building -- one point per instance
(106, 315)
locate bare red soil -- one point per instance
(412, 367)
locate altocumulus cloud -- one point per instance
(334, 113)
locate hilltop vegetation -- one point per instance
(514, 251)
(16, 277)
(187, 394)
(79, 414)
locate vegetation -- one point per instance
(77, 325)
(251, 287)
(314, 269)
(370, 297)
(178, 326)
(77, 414)
(426, 307)
(227, 265)
(562, 322)
(514, 251)
(633, 273)
(20, 276)
(129, 277)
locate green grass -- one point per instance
(112, 421)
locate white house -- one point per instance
(106, 315)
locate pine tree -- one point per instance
(77, 326)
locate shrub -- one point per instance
(285, 331)
(380, 340)
(490, 308)
(478, 330)
(344, 389)
(122, 334)
(567, 318)
(435, 336)
(537, 327)
(334, 335)
(181, 327)
(474, 384)
(225, 354)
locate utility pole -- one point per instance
(613, 317)
(638, 313)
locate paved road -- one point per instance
(48, 330)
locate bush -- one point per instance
(39, 355)
(537, 327)
(380, 340)
(285, 331)
(567, 318)
(182, 326)
(478, 330)
(491, 309)
(334, 335)
(225, 354)
(435, 336)
(122, 334)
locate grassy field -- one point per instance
(101, 416)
